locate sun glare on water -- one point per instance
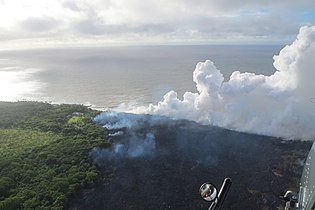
(16, 84)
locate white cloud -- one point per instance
(39, 24)
(164, 21)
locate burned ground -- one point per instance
(186, 155)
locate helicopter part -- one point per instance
(290, 199)
(210, 193)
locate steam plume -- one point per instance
(277, 105)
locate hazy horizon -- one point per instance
(52, 23)
(56, 74)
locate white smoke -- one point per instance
(116, 120)
(112, 120)
(139, 147)
(136, 146)
(118, 133)
(131, 142)
(277, 105)
(148, 136)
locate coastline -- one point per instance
(262, 167)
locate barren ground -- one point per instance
(188, 154)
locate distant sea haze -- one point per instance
(109, 76)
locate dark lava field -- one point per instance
(162, 165)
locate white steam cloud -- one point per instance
(120, 120)
(277, 105)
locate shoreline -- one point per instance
(114, 109)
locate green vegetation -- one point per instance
(44, 153)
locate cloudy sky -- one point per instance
(42, 23)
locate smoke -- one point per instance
(118, 133)
(278, 105)
(129, 138)
(152, 136)
(136, 146)
(119, 120)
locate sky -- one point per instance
(47, 23)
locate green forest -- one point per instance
(44, 153)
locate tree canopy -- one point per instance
(44, 153)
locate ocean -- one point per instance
(105, 77)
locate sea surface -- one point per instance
(105, 77)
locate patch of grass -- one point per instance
(15, 142)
